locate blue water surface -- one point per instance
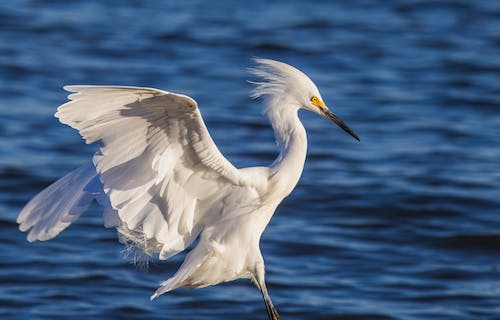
(404, 225)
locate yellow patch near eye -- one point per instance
(318, 103)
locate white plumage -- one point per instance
(163, 182)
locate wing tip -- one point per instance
(74, 88)
(77, 89)
(70, 88)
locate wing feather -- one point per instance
(156, 159)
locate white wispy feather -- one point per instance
(279, 79)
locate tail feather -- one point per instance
(181, 278)
(176, 281)
(57, 206)
(171, 284)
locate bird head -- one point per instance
(284, 82)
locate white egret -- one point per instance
(163, 183)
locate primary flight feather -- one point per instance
(163, 182)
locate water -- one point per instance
(404, 225)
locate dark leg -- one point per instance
(259, 281)
(271, 310)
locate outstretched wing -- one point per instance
(156, 158)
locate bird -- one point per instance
(164, 185)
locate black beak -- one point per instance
(332, 117)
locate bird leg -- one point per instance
(271, 310)
(260, 283)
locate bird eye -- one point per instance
(317, 102)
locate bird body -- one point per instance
(163, 183)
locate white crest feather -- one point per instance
(279, 79)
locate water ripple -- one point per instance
(403, 225)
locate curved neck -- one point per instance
(292, 141)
